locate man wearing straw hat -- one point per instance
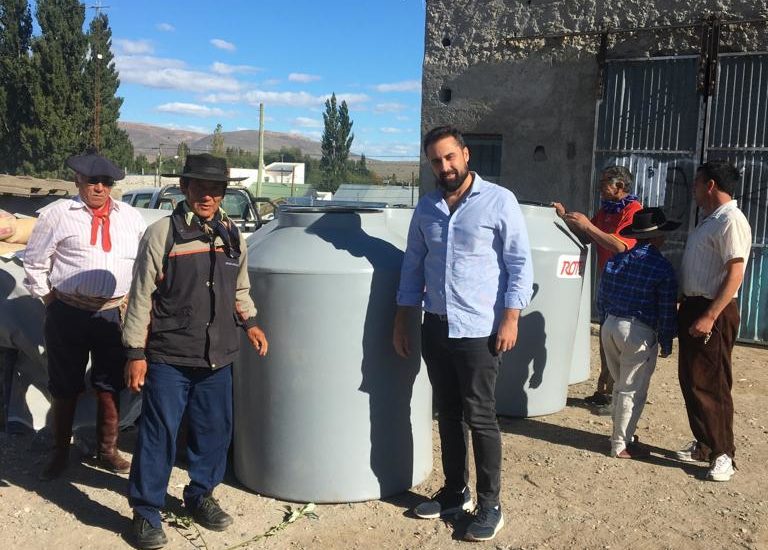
(637, 304)
(189, 303)
(78, 261)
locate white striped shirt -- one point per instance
(60, 255)
(722, 236)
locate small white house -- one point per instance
(277, 172)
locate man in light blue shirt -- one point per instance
(468, 262)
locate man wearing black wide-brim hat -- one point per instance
(189, 300)
(637, 304)
(79, 262)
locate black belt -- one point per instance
(687, 298)
(443, 317)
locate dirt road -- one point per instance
(560, 490)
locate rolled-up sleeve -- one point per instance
(411, 289)
(516, 254)
(38, 257)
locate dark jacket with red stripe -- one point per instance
(188, 296)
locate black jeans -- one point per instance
(463, 373)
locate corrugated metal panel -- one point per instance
(738, 131)
(648, 121)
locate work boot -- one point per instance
(107, 427)
(62, 416)
(209, 514)
(145, 536)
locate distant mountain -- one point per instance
(148, 140)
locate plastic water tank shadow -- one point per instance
(386, 378)
(523, 366)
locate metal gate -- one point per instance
(652, 119)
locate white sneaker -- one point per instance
(721, 469)
(692, 453)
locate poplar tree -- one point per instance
(15, 76)
(217, 142)
(100, 91)
(335, 145)
(61, 123)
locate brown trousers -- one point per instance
(704, 371)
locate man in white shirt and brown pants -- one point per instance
(714, 262)
(79, 262)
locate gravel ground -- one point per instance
(560, 489)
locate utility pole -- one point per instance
(260, 175)
(97, 102)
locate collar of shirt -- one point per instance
(78, 204)
(721, 210)
(477, 187)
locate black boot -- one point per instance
(63, 414)
(107, 428)
(145, 536)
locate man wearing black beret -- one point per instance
(79, 262)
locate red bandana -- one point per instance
(100, 217)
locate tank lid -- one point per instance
(330, 209)
(536, 203)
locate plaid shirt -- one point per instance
(641, 283)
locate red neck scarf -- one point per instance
(100, 217)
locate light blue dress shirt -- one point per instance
(470, 264)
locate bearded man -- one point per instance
(468, 262)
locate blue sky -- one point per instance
(192, 64)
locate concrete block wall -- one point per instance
(543, 92)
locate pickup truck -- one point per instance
(238, 203)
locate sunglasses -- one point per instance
(104, 180)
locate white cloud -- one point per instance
(191, 109)
(351, 99)
(133, 47)
(223, 44)
(390, 130)
(402, 118)
(303, 77)
(391, 107)
(156, 72)
(165, 27)
(222, 98)
(404, 86)
(306, 122)
(389, 151)
(224, 68)
(272, 82)
(287, 99)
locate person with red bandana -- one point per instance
(79, 262)
(617, 210)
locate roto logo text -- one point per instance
(569, 267)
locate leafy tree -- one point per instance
(182, 151)
(217, 143)
(61, 123)
(335, 145)
(15, 75)
(100, 88)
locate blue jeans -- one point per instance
(170, 391)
